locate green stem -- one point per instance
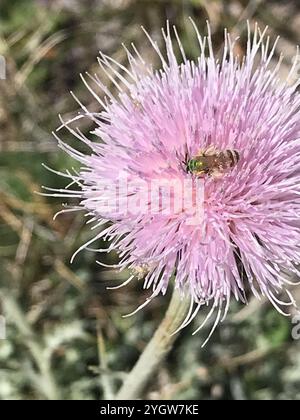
(45, 380)
(156, 350)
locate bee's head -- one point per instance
(194, 165)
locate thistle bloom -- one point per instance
(247, 240)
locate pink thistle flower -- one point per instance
(248, 238)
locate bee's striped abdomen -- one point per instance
(232, 156)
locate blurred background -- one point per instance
(66, 338)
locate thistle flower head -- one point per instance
(160, 126)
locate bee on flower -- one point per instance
(230, 122)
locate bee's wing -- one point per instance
(211, 150)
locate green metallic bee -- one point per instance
(212, 162)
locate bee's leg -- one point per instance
(186, 157)
(185, 161)
(216, 174)
(199, 174)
